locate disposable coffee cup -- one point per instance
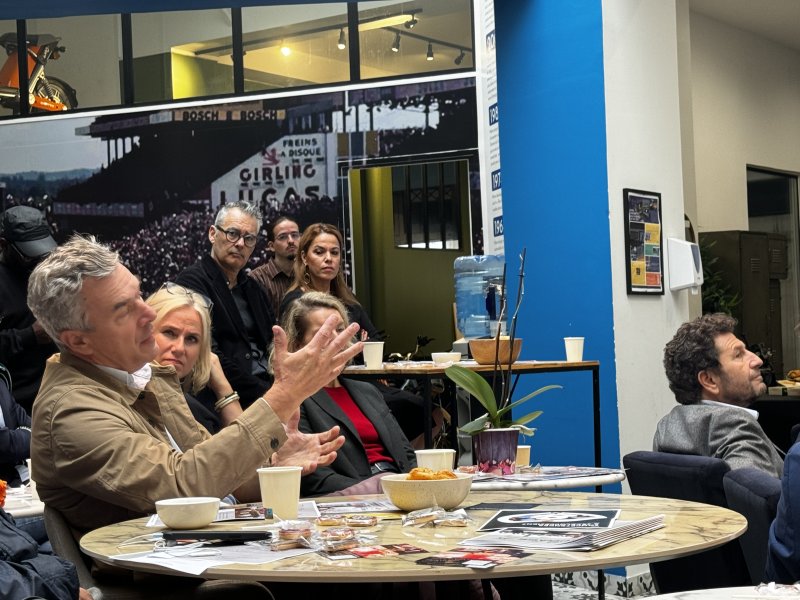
(523, 455)
(437, 460)
(574, 347)
(280, 490)
(373, 355)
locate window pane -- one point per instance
(399, 38)
(80, 70)
(284, 48)
(182, 54)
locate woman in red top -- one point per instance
(374, 443)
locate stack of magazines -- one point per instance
(560, 530)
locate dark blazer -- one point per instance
(229, 338)
(783, 557)
(15, 443)
(319, 413)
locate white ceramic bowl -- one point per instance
(187, 513)
(408, 494)
(441, 358)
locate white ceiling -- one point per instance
(777, 20)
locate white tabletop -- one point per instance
(735, 593)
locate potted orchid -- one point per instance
(496, 432)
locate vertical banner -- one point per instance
(643, 244)
(489, 128)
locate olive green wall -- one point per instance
(408, 292)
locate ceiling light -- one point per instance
(285, 50)
(341, 44)
(411, 22)
(459, 58)
(396, 43)
(429, 55)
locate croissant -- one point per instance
(794, 375)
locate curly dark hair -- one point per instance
(692, 350)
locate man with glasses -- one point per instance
(24, 346)
(241, 318)
(275, 275)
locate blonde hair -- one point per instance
(165, 301)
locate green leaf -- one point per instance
(541, 390)
(476, 385)
(475, 426)
(527, 418)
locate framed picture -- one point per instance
(644, 270)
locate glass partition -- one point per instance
(184, 54)
(284, 48)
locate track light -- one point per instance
(411, 22)
(341, 44)
(396, 43)
(429, 55)
(285, 50)
(459, 58)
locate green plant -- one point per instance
(498, 415)
(717, 294)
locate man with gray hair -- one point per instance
(113, 433)
(715, 379)
(241, 317)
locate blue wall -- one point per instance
(555, 199)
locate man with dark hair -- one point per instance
(241, 317)
(715, 379)
(24, 346)
(275, 275)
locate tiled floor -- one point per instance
(570, 592)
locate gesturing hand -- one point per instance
(307, 450)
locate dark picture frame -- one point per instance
(644, 266)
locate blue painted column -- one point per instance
(555, 203)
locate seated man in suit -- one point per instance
(715, 379)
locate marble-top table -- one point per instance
(732, 593)
(689, 528)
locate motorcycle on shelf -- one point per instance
(44, 93)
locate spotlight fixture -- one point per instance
(411, 22)
(459, 58)
(341, 44)
(396, 42)
(285, 50)
(429, 55)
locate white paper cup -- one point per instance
(574, 347)
(437, 460)
(523, 455)
(280, 490)
(373, 355)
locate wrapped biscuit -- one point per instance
(423, 516)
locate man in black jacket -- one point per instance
(15, 436)
(24, 346)
(241, 317)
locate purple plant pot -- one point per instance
(495, 451)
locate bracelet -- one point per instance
(225, 400)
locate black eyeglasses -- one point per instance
(234, 235)
(179, 290)
(295, 235)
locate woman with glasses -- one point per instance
(182, 330)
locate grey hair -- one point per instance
(54, 288)
(251, 210)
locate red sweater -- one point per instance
(376, 451)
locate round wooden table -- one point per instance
(689, 528)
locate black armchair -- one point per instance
(754, 494)
(698, 479)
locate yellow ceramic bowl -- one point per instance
(408, 494)
(187, 513)
(483, 350)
